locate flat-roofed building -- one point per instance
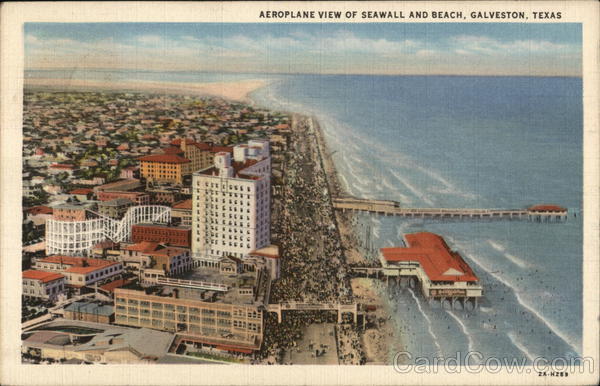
(123, 189)
(139, 198)
(219, 304)
(73, 211)
(104, 344)
(137, 256)
(96, 312)
(231, 203)
(41, 284)
(119, 186)
(115, 208)
(165, 262)
(207, 322)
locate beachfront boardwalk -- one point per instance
(278, 308)
(393, 208)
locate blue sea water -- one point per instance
(481, 142)
(441, 141)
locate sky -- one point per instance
(332, 48)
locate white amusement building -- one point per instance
(75, 228)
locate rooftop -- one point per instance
(42, 276)
(106, 244)
(435, 257)
(62, 166)
(546, 208)
(144, 247)
(124, 184)
(40, 209)
(117, 202)
(75, 205)
(78, 264)
(95, 308)
(169, 251)
(166, 158)
(203, 145)
(238, 170)
(145, 343)
(165, 226)
(186, 204)
(110, 287)
(81, 191)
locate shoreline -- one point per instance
(237, 91)
(376, 341)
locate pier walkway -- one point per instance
(393, 208)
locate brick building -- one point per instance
(178, 236)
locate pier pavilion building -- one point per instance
(442, 274)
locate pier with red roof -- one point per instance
(442, 273)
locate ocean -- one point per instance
(466, 142)
(455, 141)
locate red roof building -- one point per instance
(143, 247)
(441, 271)
(40, 209)
(110, 287)
(433, 254)
(41, 276)
(547, 208)
(40, 284)
(81, 191)
(79, 271)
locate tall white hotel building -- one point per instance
(231, 203)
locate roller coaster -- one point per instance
(79, 237)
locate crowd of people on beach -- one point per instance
(313, 268)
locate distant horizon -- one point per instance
(486, 49)
(296, 73)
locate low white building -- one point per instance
(80, 271)
(44, 285)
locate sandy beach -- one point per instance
(235, 91)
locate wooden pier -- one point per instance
(392, 208)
